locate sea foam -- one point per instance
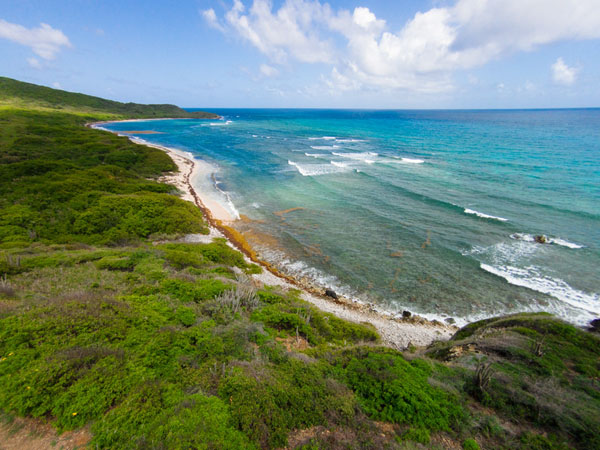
(557, 241)
(324, 147)
(227, 195)
(339, 164)
(484, 216)
(216, 124)
(363, 156)
(563, 243)
(399, 160)
(310, 170)
(530, 277)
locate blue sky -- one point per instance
(309, 53)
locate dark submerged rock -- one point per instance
(450, 321)
(541, 239)
(331, 293)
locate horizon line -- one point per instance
(394, 109)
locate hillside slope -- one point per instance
(19, 93)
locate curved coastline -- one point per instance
(396, 332)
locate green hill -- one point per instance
(21, 94)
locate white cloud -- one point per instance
(341, 83)
(44, 40)
(211, 18)
(563, 74)
(529, 86)
(432, 45)
(293, 30)
(424, 53)
(268, 71)
(56, 85)
(34, 62)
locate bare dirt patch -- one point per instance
(32, 434)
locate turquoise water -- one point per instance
(430, 211)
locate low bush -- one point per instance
(115, 263)
(470, 444)
(268, 402)
(316, 326)
(218, 252)
(393, 390)
(198, 291)
(420, 435)
(160, 415)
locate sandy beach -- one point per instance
(395, 331)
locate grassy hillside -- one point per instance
(527, 371)
(108, 320)
(21, 94)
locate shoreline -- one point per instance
(395, 332)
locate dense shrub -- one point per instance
(199, 255)
(470, 444)
(316, 326)
(61, 182)
(160, 415)
(198, 291)
(268, 402)
(391, 389)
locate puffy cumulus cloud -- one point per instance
(497, 26)
(563, 74)
(424, 53)
(433, 44)
(292, 31)
(44, 40)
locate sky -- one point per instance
(399, 54)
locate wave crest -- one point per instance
(324, 147)
(484, 216)
(531, 278)
(363, 156)
(311, 170)
(557, 241)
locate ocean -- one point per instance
(434, 212)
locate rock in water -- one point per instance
(331, 293)
(541, 239)
(406, 314)
(595, 325)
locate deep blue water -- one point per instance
(431, 211)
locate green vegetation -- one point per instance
(391, 389)
(61, 182)
(529, 368)
(32, 96)
(108, 320)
